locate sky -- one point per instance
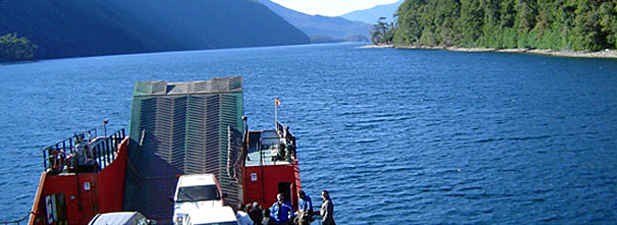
(330, 7)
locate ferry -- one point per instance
(175, 129)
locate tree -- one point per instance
(545, 24)
(382, 32)
(408, 29)
(471, 22)
(445, 19)
(14, 48)
(376, 34)
(608, 21)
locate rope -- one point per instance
(230, 170)
(234, 171)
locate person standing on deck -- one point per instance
(327, 209)
(256, 213)
(305, 205)
(305, 209)
(242, 216)
(281, 211)
(266, 218)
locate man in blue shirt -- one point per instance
(305, 209)
(281, 211)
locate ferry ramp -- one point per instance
(181, 128)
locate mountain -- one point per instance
(68, 28)
(371, 15)
(318, 26)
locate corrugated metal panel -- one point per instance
(212, 136)
(149, 88)
(162, 131)
(235, 83)
(220, 84)
(201, 87)
(228, 119)
(178, 137)
(195, 139)
(185, 126)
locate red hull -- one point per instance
(262, 183)
(80, 197)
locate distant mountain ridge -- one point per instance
(371, 15)
(318, 25)
(67, 28)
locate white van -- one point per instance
(195, 193)
(121, 218)
(212, 216)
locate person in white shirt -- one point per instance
(243, 218)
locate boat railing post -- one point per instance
(105, 127)
(70, 145)
(107, 150)
(112, 149)
(97, 156)
(114, 144)
(45, 156)
(103, 159)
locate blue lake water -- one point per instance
(396, 136)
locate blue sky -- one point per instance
(330, 7)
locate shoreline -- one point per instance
(583, 54)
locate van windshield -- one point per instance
(198, 193)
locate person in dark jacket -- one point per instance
(327, 209)
(256, 213)
(281, 211)
(266, 218)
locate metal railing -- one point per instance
(60, 156)
(65, 147)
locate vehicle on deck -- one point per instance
(121, 218)
(196, 194)
(212, 216)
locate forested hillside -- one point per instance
(69, 28)
(545, 24)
